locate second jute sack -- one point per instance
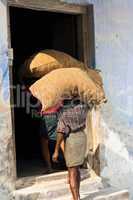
(59, 83)
(48, 60)
(45, 61)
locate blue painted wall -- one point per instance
(4, 78)
(7, 168)
(114, 47)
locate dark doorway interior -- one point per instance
(32, 31)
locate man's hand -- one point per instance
(57, 147)
(55, 156)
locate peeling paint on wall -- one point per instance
(6, 144)
(4, 76)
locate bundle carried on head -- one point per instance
(57, 84)
(45, 61)
(48, 60)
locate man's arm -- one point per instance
(60, 138)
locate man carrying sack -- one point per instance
(71, 125)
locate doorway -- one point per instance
(32, 30)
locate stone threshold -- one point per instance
(29, 181)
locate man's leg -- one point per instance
(74, 154)
(74, 181)
(45, 151)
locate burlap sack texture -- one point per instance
(45, 61)
(51, 88)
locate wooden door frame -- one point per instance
(85, 30)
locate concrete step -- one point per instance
(109, 194)
(48, 179)
(55, 187)
(105, 194)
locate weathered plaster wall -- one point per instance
(114, 47)
(6, 156)
(114, 30)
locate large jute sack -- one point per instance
(47, 60)
(59, 83)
